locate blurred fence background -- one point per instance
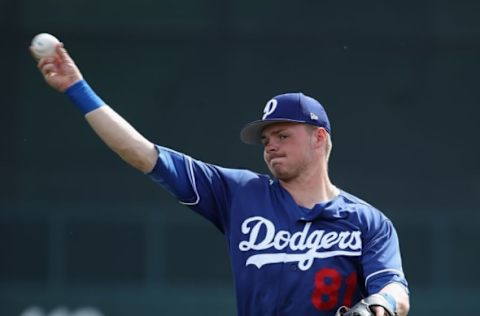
(83, 234)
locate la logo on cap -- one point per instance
(269, 108)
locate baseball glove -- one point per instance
(362, 308)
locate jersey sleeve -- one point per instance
(203, 187)
(381, 259)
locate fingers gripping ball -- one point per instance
(363, 308)
(43, 45)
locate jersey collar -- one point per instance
(327, 210)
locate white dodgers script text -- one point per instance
(306, 245)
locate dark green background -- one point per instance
(80, 228)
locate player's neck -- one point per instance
(310, 189)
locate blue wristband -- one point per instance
(84, 97)
(390, 299)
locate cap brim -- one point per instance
(252, 132)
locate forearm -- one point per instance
(122, 138)
(61, 73)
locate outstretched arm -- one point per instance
(61, 73)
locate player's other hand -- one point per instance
(59, 71)
(379, 311)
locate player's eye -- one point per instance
(264, 141)
(282, 136)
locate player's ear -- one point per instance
(320, 136)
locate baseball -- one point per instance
(43, 45)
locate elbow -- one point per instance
(139, 158)
(138, 163)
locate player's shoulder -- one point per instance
(355, 205)
(245, 177)
(353, 200)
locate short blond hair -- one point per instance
(328, 147)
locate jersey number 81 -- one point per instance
(328, 283)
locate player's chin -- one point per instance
(280, 173)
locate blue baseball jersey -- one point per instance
(286, 259)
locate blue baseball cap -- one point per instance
(288, 107)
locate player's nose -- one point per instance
(270, 147)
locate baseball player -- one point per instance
(298, 244)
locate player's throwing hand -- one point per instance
(59, 71)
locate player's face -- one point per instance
(288, 149)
